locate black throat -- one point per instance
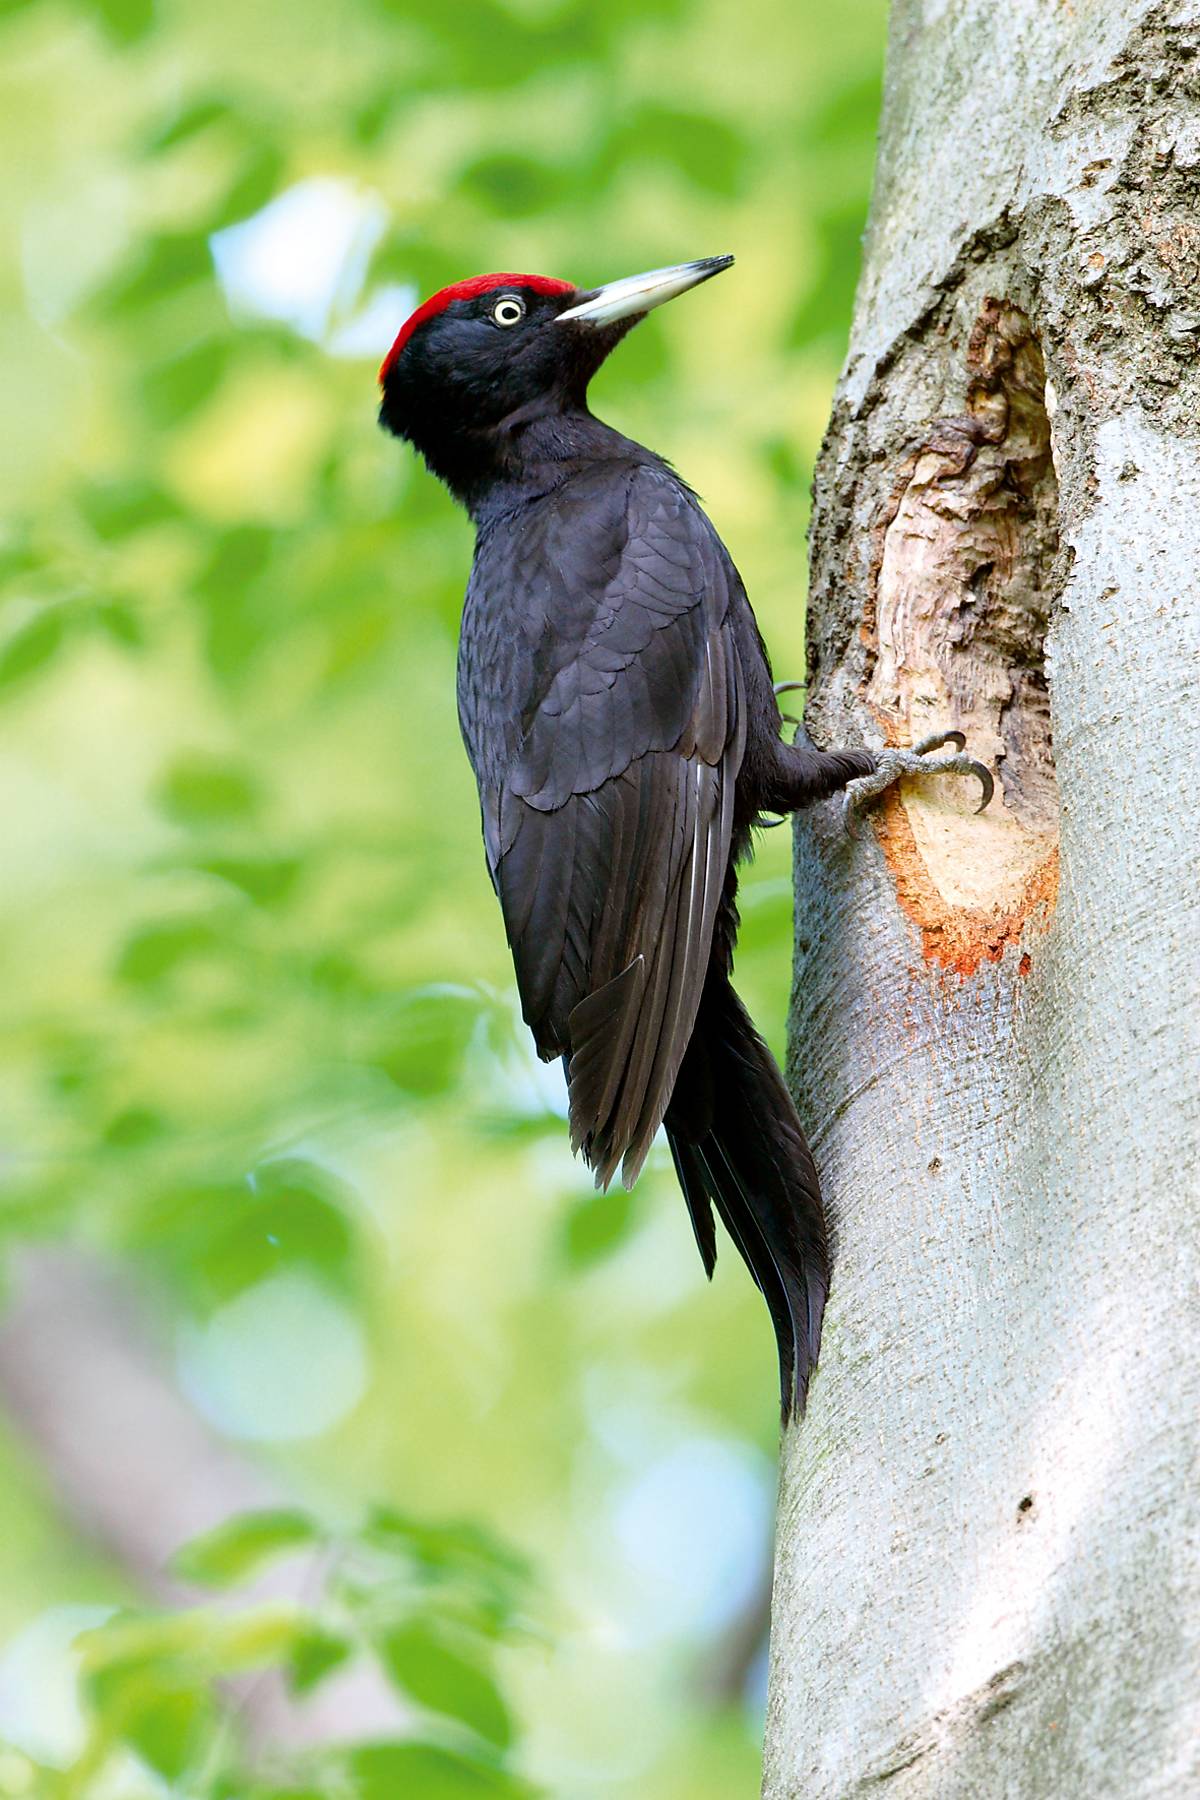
(488, 415)
(494, 471)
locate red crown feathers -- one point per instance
(466, 290)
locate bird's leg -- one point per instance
(799, 774)
(890, 765)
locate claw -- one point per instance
(893, 764)
(938, 739)
(984, 776)
(789, 687)
(980, 770)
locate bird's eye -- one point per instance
(509, 311)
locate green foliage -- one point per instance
(431, 1670)
(154, 1684)
(263, 1051)
(230, 1552)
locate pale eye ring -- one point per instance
(509, 311)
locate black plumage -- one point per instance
(617, 707)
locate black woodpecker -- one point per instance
(618, 710)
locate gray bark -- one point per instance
(988, 1571)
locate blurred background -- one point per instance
(350, 1446)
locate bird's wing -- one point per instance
(609, 834)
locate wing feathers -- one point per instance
(613, 820)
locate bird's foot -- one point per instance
(892, 764)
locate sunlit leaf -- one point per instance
(125, 20)
(256, 182)
(238, 622)
(198, 1639)
(120, 623)
(32, 646)
(478, 1582)
(199, 789)
(389, 1771)
(267, 880)
(314, 1655)
(464, 1546)
(134, 1127)
(598, 1225)
(185, 122)
(230, 1552)
(438, 1676)
(223, 1239)
(156, 950)
(168, 1725)
(174, 389)
(116, 509)
(710, 152)
(165, 265)
(514, 186)
(427, 1037)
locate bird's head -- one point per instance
(487, 357)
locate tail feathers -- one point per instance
(739, 1147)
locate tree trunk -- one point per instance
(988, 1577)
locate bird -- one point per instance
(618, 708)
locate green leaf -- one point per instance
(596, 1226)
(709, 152)
(226, 1555)
(199, 789)
(164, 1716)
(195, 1642)
(267, 880)
(116, 509)
(314, 1655)
(427, 1039)
(512, 186)
(431, 1671)
(32, 646)
(479, 1582)
(255, 183)
(166, 264)
(463, 1547)
(237, 1791)
(184, 122)
(426, 1772)
(168, 1725)
(125, 20)
(134, 1127)
(222, 1238)
(236, 602)
(157, 950)
(121, 623)
(178, 386)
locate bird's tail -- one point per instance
(738, 1146)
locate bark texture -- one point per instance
(988, 1574)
